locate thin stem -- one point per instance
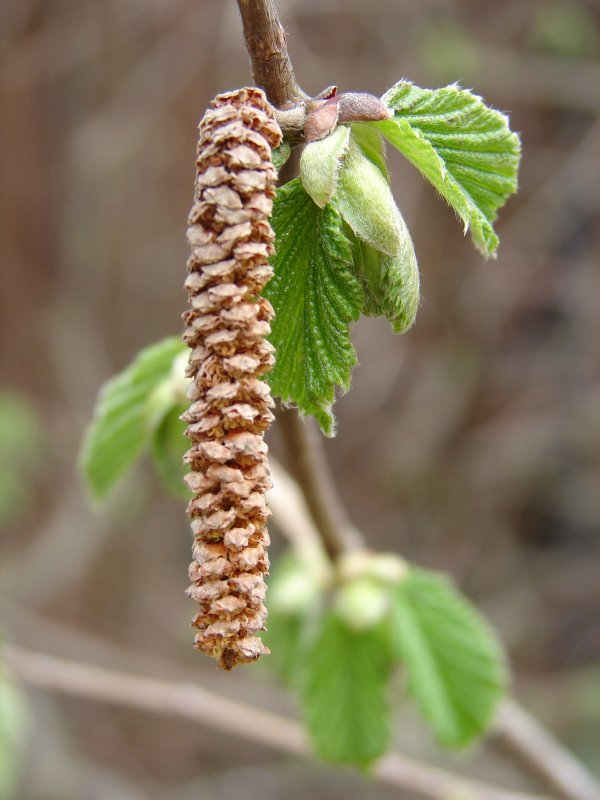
(543, 755)
(309, 466)
(189, 701)
(266, 44)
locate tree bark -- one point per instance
(266, 44)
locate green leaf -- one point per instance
(344, 693)
(169, 445)
(281, 154)
(320, 164)
(366, 203)
(391, 283)
(372, 144)
(315, 295)
(454, 662)
(129, 408)
(463, 147)
(283, 637)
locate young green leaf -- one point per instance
(344, 693)
(168, 448)
(315, 295)
(366, 203)
(372, 144)
(129, 407)
(391, 282)
(281, 154)
(463, 147)
(283, 637)
(320, 164)
(454, 663)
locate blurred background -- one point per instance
(471, 444)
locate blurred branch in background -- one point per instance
(234, 718)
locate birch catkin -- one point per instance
(231, 241)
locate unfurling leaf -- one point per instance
(315, 295)
(344, 692)
(320, 164)
(366, 203)
(465, 149)
(454, 663)
(129, 408)
(391, 283)
(372, 143)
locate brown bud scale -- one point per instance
(230, 405)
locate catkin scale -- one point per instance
(226, 324)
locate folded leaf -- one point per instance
(391, 283)
(372, 144)
(454, 662)
(320, 164)
(365, 201)
(462, 146)
(315, 295)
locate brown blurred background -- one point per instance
(471, 444)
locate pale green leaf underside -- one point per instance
(465, 149)
(454, 662)
(128, 409)
(344, 693)
(315, 295)
(320, 164)
(365, 201)
(372, 144)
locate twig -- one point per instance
(265, 41)
(543, 755)
(310, 469)
(293, 519)
(193, 703)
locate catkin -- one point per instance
(231, 240)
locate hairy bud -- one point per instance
(231, 240)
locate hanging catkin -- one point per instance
(231, 241)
